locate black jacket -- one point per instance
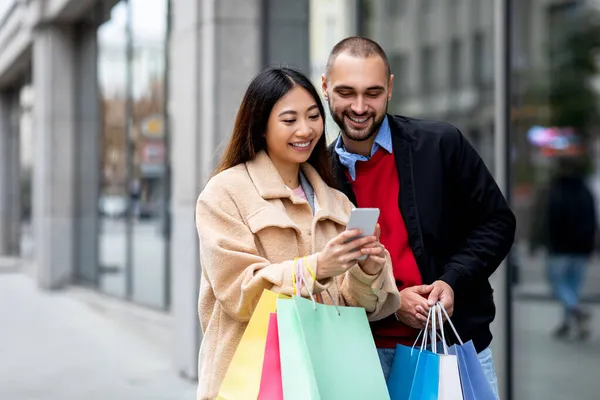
(571, 217)
(459, 225)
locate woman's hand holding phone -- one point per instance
(375, 253)
(339, 255)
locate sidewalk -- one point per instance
(54, 346)
(548, 369)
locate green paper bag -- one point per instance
(340, 360)
(297, 376)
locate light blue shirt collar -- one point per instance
(383, 140)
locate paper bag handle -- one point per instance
(450, 323)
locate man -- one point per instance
(443, 218)
(569, 228)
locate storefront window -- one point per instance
(554, 130)
(134, 201)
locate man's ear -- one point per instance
(390, 87)
(324, 86)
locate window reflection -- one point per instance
(113, 201)
(150, 151)
(133, 202)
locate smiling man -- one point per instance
(443, 219)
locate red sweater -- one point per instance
(377, 185)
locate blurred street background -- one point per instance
(113, 113)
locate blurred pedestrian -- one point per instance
(269, 203)
(571, 230)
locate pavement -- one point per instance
(545, 368)
(62, 346)
(549, 369)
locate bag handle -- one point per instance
(433, 329)
(298, 278)
(450, 323)
(314, 276)
(439, 307)
(424, 332)
(301, 279)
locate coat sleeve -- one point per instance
(230, 259)
(377, 294)
(492, 235)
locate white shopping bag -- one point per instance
(449, 381)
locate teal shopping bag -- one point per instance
(341, 351)
(297, 374)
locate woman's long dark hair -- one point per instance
(251, 122)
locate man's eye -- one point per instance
(373, 94)
(345, 94)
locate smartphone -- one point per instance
(364, 219)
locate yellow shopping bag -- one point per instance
(242, 380)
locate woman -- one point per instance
(270, 202)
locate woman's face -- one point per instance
(294, 128)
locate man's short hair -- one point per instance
(357, 46)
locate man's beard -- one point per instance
(354, 134)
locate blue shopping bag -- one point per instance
(425, 385)
(415, 372)
(403, 372)
(475, 385)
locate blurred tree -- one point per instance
(574, 66)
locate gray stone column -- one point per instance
(10, 210)
(54, 162)
(216, 47)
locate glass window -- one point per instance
(478, 58)
(134, 194)
(427, 5)
(400, 69)
(395, 7)
(456, 56)
(554, 125)
(149, 182)
(428, 76)
(113, 201)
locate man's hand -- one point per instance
(441, 292)
(412, 300)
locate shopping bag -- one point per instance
(270, 381)
(449, 378)
(297, 375)
(414, 372)
(341, 350)
(242, 380)
(425, 384)
(402, 372)
(475, 385)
